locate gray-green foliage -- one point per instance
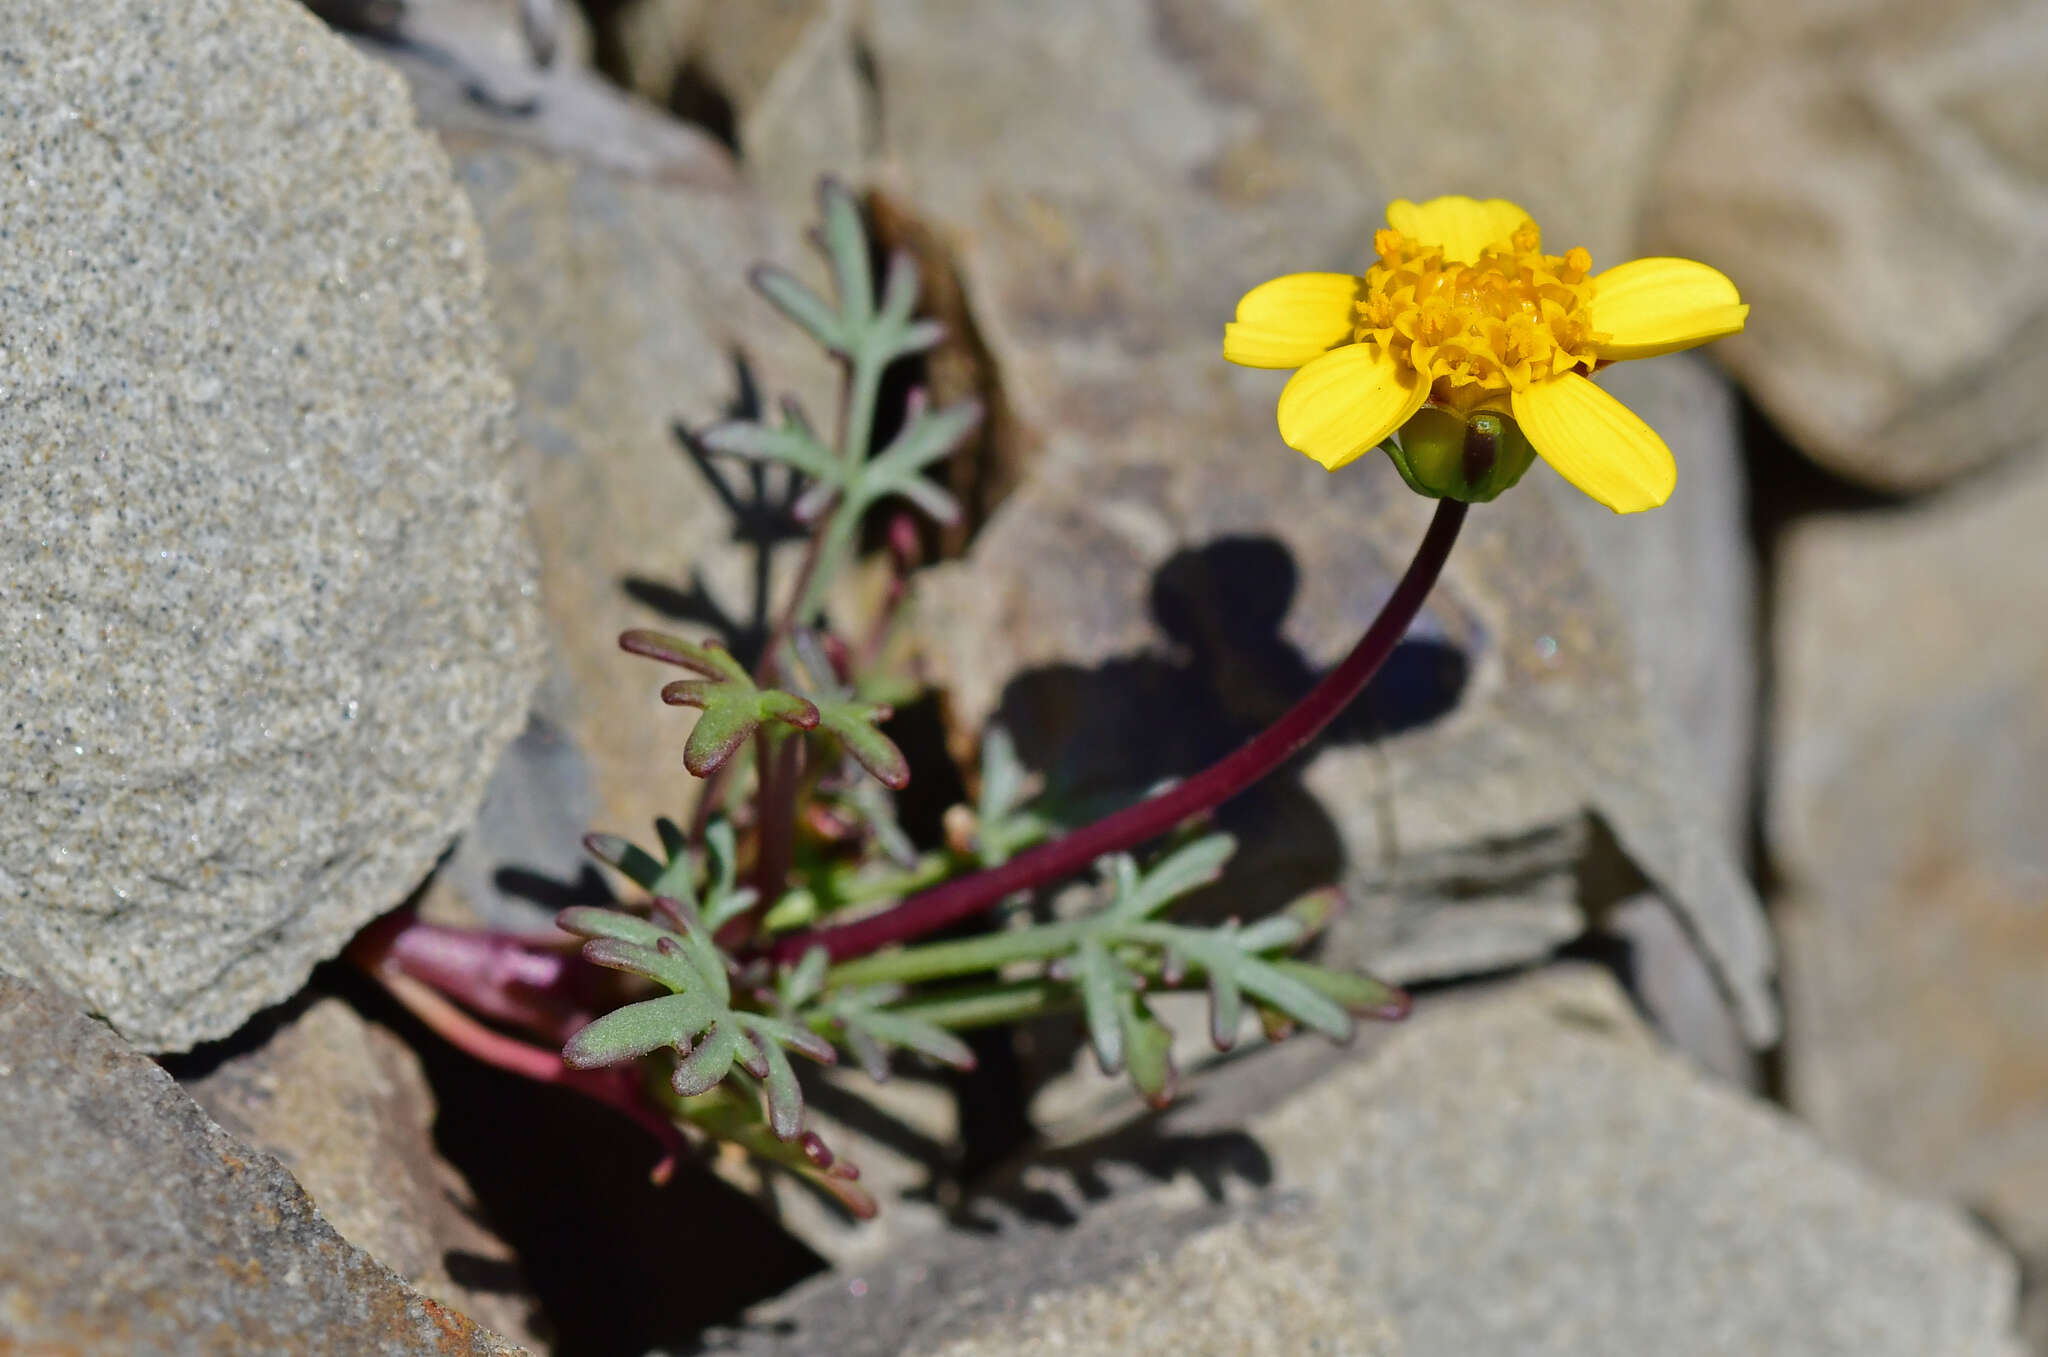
(732, 707)
(844, 480)
(704, 1008)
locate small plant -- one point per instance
(795, 918)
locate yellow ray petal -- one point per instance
(1284, 323)
(1462, 226)
(1596, 443)
(1653, 306)
(1341, 405)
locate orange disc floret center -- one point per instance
(1479, 331)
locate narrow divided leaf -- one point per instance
(592, 921)
(1360, 994)
(633, 1031)
(845, 242)
(1293, 997)
(1148, 1049)
(1095, 972)
(1197, 864)
(733, 708)
(792, 444)
(928, 437)
(812, 313)
(871, 1028)
(855, 724)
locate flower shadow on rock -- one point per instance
(1102, 735)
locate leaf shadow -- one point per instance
(759, 504)
(1104, 734)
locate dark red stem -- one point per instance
(934, 909)
(780, 761)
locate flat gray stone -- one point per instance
(1905, 812)
(130, 1222)
(346, 1108)
(268, 581)
(1871, 179)
(1521, 1172)
(1686, 591)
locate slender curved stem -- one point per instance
(934, 909)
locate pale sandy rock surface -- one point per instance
(1520, 1171)
(1870, 175)
(1906, 811)
(1563, 107)
(269, 612)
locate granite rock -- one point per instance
(1827, 153)
(269, 613)
(1910, 769)
(1521, 1171)
(345, 1107)
(1111, 180)
(130, 1222)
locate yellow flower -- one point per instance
(1465, 314)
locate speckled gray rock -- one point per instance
(1522, 1172)
(1906, 805)
(267, 584)
(345, 1106)
(131, 1223)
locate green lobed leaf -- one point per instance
(801, 983)
(899, 290)
(871, 1028)
(929, 436)
(795, 1036)
(784, 1095)
(1096, 975)
(634, 1030)
(812, 313)
(664, 965)
(1148, 1049)
(791, 444)
(1272, 933)
(845, 243)
(1296, 998)
(710, 659)
(733, 709)
(1195, 865)
(855, 724)
(593, 921)
(711, 1059)
(1361, 994)
(1226, 1007)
